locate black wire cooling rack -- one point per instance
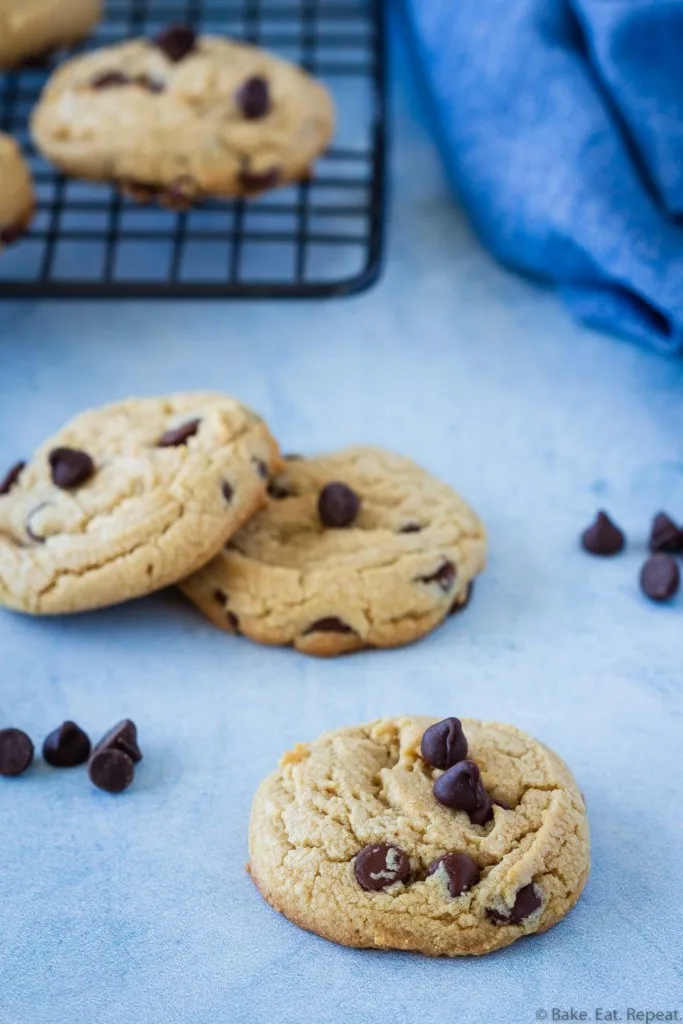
(319, 238)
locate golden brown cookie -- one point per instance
(17, 200)
(30, 28)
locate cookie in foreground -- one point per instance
(360, 548)
(362, 839)
(129, 498)
(17, 199)
(183, 117)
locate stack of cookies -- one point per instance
(360, 548)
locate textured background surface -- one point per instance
(138, 909)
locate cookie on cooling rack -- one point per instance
(183, 116)
(17, 200)
(31, 28)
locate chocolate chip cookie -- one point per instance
(361, 548)
(17, 201)
(357, 836)
(182, 116)
(30, 28)
(127, 499)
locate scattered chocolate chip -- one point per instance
(111, 770)
(123, 737)
(461, 602)
(444, 576)
(11, 477)
(338, 505)
(177, 41)
(278, 491)
(110, 80)
(67, 746)
(16, 752)
(602, 537)
(444, 744)
(462, 872)
(665, 536)
(380, 865)
(177, 436)
(234, 621)
(482, 814)
(70, 467)
(330, 625)
(410, 528)
(261, 468)
(259, 181)
(220, 596)
(461, 787)
(228, 491)
(253, 98)
(526, 902)
(660, 577)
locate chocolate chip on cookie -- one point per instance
(111, 770)
(177, 41)
(278, 491)
(444, 576)
(11, 477)
(227, 490)
(462, 600)
(461, 787)
(110, 80)
(602, 537)
(261, 468)
(338, 505)
(253, 97)
(70, 467)
(660, 577)
(16, 752)
(410, 528)
(380, 865)
(526, 902)
(258, 181)
(329, 625)
(124, 737)
(461, 871)
(444, 744)
(482, 814)
(177, 436)
(665, 536)
(67, 746)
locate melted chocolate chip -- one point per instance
(329, 625)
(444, 576)
(123, 737)
(338, 505)
(253, 98)
(461, 871)
(67, 746)
(259, 181)
(228, 491)
(665, 536)
(380, 865)
(179, 435)
(461, 787)
(70, 467)
(16, 752)
(526, 902)
(660, 578)
(110, 80)
(410, 528)
(461, 602)
(177, 41)
(602, 537)
(111, 770)
(220, 596)
(482, 814)
(11, 477)
(444, 744)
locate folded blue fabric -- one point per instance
(561, 125)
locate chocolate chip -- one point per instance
(330, 625)
(177, 41)
(234, 621)
(11, 477)
(444, 576)
(660, 577)
(261, 468)
(410, 528)
(220, 596)
(278, 491)
(665, 536)
(338, 505)
(70, 467)
(526, 902)
(462, 872)
(16, 752)
(380, 865)
(602, 537)
(110, 80)
(111, 770)
(177, 436)
(482, 814)
(461, 602)
(67, 746)
(444, 744)
(13, 232)
(461, 787)
(253, 98)
(259, 181)
(228, 491)
(30, 532)
(123, 737)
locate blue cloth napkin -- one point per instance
(561, 125)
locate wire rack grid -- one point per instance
(322, 237)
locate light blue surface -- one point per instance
(138, 908)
